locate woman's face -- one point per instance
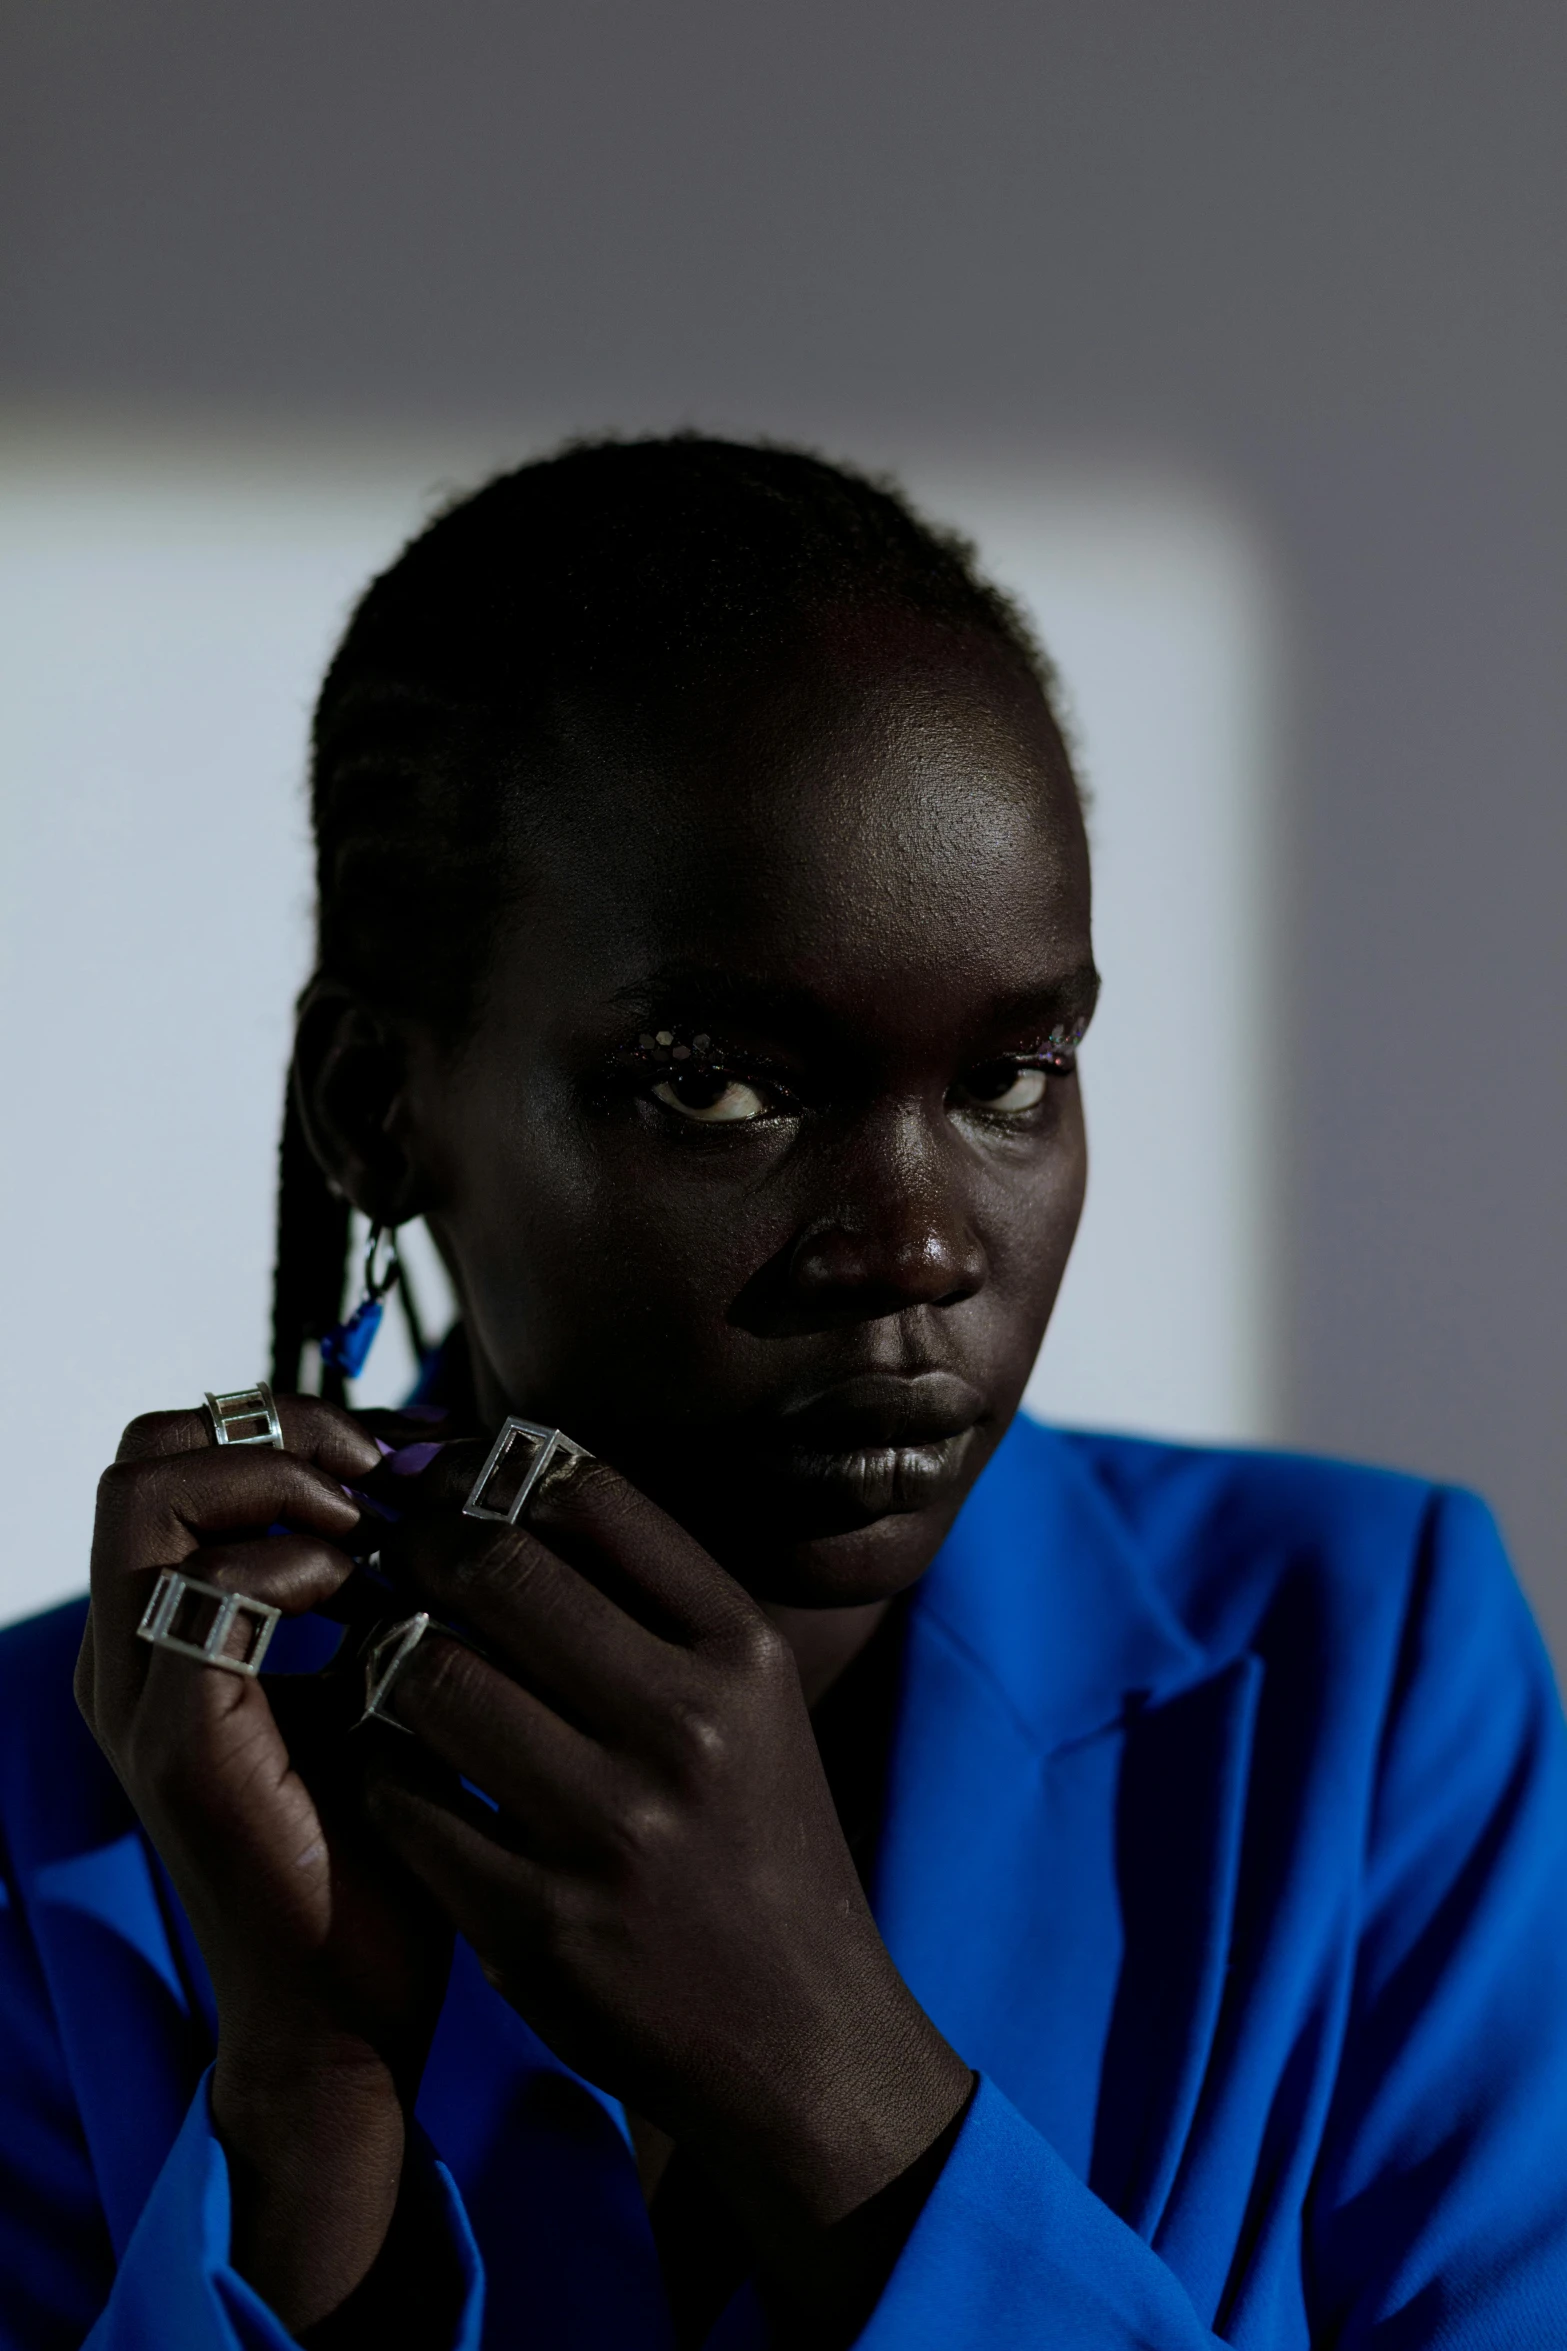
(791, 1280)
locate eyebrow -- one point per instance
(684, 992)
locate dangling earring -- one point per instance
(346, 1346)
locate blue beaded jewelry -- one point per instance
(346, 1346)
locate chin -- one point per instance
(837, 1529)
(845, 1567)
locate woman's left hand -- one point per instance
(664, 1893)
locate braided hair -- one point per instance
(619, 581)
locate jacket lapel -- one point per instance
(1178, 1842)
(1057, 1873)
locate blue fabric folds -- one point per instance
(1226, 1837)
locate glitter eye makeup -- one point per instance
(1015, 1082)
(695, 1078)
(1059, 1051)
(671, 1048)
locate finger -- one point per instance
(210, 1773)
(320, 1431)
(594, 1518)
(155, 1513)
(430, 1472)
(597, 1519)
(440, 1472)
(292, 1572)
(492, 1894)
(551, 1779)
(539, 1617)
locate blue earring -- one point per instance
(347, 1345)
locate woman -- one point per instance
(1132, 1912)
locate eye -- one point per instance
(711, 1096)
(1005, 1088)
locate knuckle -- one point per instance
(441, 1671)
(702, 1739)
(312, 1423)
(109, 1497)
(140, 1436)
(122, 1478)
(512, 1568)
(760, 1651)
(643, 1825)
(588, 1477)
(153, 1435)
(492, 1564)
(505, 1562)
(569, 1915)
(128, 1487)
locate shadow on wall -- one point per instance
(164, 620)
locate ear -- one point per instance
(349, 1079)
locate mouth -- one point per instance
(872, 1446)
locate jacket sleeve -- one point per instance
(56, 2262)
(175, 2284)
(1013, 2248)
(1438, 2216)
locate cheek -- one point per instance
(1029, 1228)
(593, 1265)
(606, 1276)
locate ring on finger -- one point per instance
(244, 1416)
(201, 1621)
(385, 1660)
(488, 1496)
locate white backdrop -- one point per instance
(164, 615)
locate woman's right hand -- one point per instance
(328, 1962)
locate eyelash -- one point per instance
(676, 1053)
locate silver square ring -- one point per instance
(200, 1620)
(488, 1497)
(245, 1416)
(388, 1653)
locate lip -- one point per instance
(871, 1446)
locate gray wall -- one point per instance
(1312, 253)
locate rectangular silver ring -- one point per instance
(245, 1416)
(549, 1445)
(387, 1656)
(170, 1596)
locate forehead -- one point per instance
(889, 811)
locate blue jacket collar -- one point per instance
(1048, 1594)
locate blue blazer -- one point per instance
(1226, 1837)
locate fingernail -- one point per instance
(410, 1460)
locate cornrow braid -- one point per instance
(312, 1243)
(620, 581)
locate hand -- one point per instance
(664, 1893)
(327, 1960)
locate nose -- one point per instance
(900, 1233)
